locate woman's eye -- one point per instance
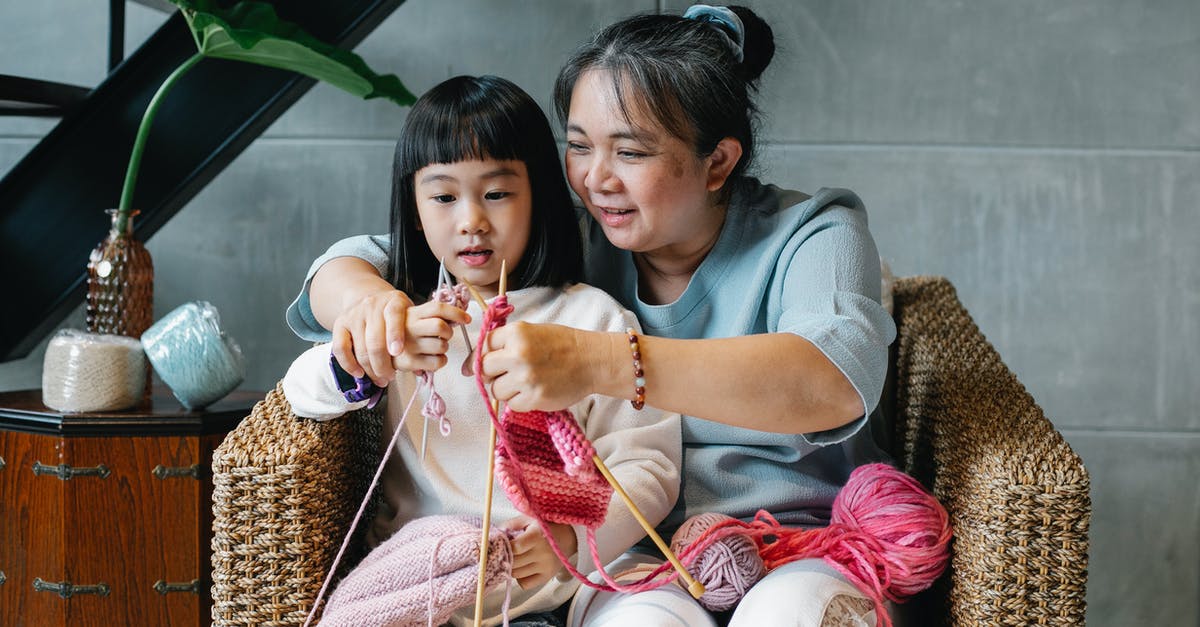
(576, 147)
(443, 199)
(496, 195)
(630, 154)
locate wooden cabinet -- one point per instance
(106, 518)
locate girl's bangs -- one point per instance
(479, 134)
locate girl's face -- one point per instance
(475, 214)
(647, 188)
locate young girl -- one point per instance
(477, 182)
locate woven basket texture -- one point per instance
(285, 490)
(961, 423)
(1018, 496)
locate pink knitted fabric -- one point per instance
(544, 463)
(420, 575)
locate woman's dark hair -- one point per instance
(682, 72)
(487, 117)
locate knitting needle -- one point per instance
(466, 364)
(487, 494)
(443, 279)
(694, 587)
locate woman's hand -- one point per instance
(367, 334)
(383, 332)
(544, 366)
(534, 562)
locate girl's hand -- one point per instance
(534, 562)
(367, 334)
(542, 366)
(428, 331)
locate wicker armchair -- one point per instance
(285, 489)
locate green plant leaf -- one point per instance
(252, 32)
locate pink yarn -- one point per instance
(434, 407)
(888, 536)
(726, 567)
(419, 576)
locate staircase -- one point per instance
(52, 201)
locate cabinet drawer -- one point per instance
(120, 520)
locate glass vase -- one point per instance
(120, 296)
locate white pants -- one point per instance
(794, 595)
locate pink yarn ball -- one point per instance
(909, 530)
(727, 568)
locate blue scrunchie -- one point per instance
(727, 23)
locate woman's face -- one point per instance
(647, 188)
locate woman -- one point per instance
(760, 305)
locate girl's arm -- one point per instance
(312, 391)
(310, 388)
(643, 450)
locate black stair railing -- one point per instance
(52, 202)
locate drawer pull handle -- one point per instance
(65, 472)
(2, 577)
(2, 465)
(163, 587)
(66, 590)
(165, 472)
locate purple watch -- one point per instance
(355, 389)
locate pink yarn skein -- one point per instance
(888, 536)
(727, 567)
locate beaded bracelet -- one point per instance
(639, 377)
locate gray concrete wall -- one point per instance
(1043, 156)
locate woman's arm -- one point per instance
(777, 382)
(368, 317)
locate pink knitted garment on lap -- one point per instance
(419, 576)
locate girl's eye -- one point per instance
(496, 195)
(443, 199)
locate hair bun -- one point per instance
(759, 46)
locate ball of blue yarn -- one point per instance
(193, 356)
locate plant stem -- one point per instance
(139, 142)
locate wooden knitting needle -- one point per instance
(694, 587)
(491, 457)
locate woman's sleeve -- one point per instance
(371, 248)
(643, 450)
(830, 296)
(310, 389)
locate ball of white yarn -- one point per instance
(84, 372)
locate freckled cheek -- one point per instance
(576, 173)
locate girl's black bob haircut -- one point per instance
(473, 118)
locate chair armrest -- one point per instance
(284, 492)
(1018, 496)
